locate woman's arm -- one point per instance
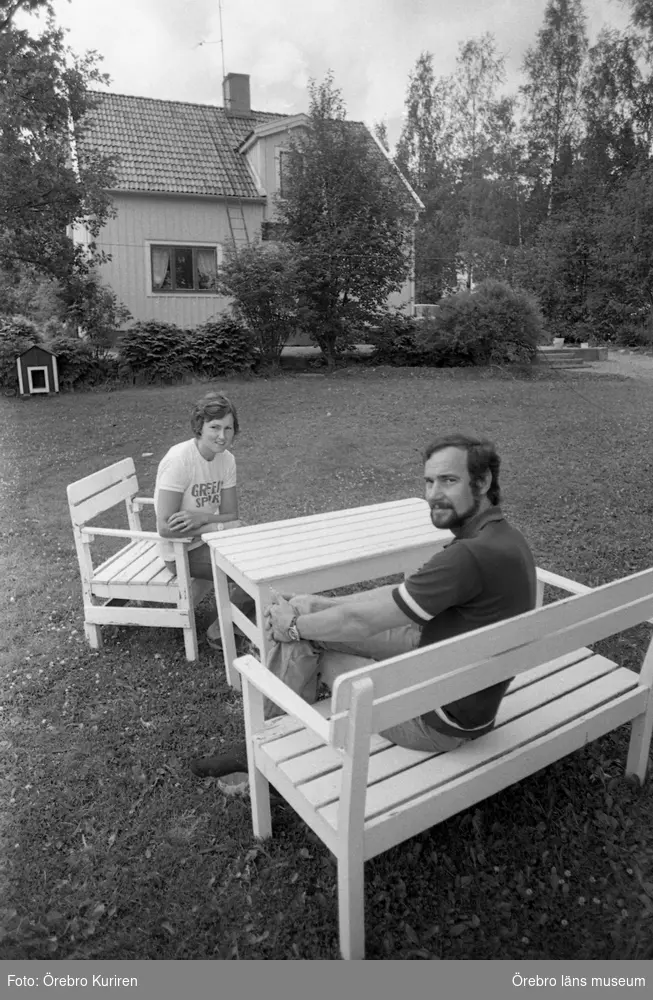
(172, 522)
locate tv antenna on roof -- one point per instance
(219, 42)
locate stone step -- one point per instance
(581, 353)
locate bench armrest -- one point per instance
(142, 501)
(260, 677)
(562, 582)
(152, 536)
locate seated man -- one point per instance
(486, 574)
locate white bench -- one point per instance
(362, 795)
(136, 572)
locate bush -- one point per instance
(493, 324)
(17, 334)
(154, 351)
(78, 364)
(396, 339)
(220, 347)
(95, 308)
(634, 335)
(263, 280)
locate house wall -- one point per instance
(145, 219)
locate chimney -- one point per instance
(235, 91)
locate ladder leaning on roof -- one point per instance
(237, 224)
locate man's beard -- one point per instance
(457, 522)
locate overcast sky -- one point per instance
(150, 47)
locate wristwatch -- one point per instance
(293, 631)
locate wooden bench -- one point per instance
(362, 794)
(136, 572)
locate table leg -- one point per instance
(223, 604)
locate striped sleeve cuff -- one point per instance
(409, 605)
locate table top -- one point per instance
(280, 549)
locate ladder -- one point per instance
(237, 225)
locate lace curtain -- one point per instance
(207, 268)
(160, 266)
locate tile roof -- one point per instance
(173, 147)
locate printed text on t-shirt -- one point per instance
(207, 493)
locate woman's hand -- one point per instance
(187, 520)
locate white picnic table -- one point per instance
(316, 553)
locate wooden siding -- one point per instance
(145, 219)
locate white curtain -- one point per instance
(160, 265)
(207, 267)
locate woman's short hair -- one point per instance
(212, 406)
(482, 458)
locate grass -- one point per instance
(112, 849)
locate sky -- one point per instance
(152, 48)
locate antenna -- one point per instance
(221, 37)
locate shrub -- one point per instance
(95, 308)
(154, 351)
(220, 347)
(78, 363)
(634, 335)
(17, 334)
(396, 339)
(492, 324)
(263, 280)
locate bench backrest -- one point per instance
(409, 685)
(102, 490)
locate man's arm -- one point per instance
(356, 619)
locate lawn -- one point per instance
(113, 850)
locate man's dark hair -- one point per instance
(481, 458)
(212, 406)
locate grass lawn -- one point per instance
(112, 849)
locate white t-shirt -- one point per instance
(183, 470)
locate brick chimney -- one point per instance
(235, 92)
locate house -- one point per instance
(190, 177)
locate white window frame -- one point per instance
(154, 293)
(38, 368)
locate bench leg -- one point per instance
(351, 907)
(190, 640)
(640, 744)
(259, 789)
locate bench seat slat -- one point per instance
(387, 795)
(524, 700)
(500, 771)
(307, 766)
(138, 563)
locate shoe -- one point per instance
(214, 636)
(221, 764)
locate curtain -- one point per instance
(160, 266)
(207, 267)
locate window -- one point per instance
(184, 269)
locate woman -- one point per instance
(196, 494)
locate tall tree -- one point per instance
(349, 216)
(479, 70)
(553, 68)
(46, 189)
(424, 155)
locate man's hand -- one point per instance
(187, 520)
(278, 617)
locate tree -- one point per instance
(479, 71)
(424, 156)
(348, 215)
(46, 189)
(553, 68)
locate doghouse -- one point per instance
(37, 371)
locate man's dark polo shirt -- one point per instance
(485, 575)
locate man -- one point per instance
(486, 574)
